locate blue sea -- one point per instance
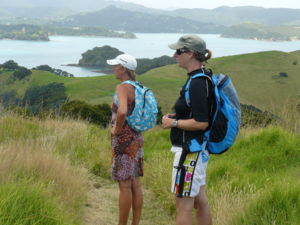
(62, 50)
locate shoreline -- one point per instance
(95, 69)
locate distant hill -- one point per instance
(74, 5)
(61, 9)
(256, 77)
(136, 19)
(228, 16)
(119, 19)
(50, 13)
(225, 16)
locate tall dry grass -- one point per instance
(37, 164)
(28, 152)
(290, 116)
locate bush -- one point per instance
(21, 73)
(10, 65)
(53, 70)
(19, 111)
(147, 64)
(44, 68)
(254, 117)
(280, 75)
(98, 114)
(47, 97)
(9, 98)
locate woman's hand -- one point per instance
(167, 121)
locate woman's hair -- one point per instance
(130, 73)
(203, 57)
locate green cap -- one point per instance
(190, 41)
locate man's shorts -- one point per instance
(195, 164)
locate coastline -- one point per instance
(95, 69)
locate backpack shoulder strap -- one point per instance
(133, 83)
(187, 87)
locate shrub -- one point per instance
(19, 111)
(53, 70)
(147, 64)
(98, 114)
(9, 98)
(280, 75)
(44, 68)
(254, 117)
(39, 98)
(283, 74)
(10, 65)
(21, 73)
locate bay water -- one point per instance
(63, 50)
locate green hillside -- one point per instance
(256, 77)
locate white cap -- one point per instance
(125, 60)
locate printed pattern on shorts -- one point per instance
(195, 165)
(189, 164)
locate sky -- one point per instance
(211, 4)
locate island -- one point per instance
(42, 33)
(262, 32)
(23, 32)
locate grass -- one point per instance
(280, 204)
(37, 178)
(27, 204)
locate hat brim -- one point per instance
(112, 62)
(175, 46)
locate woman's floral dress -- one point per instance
(127, 150)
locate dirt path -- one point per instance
(102, 206)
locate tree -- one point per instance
(147, 64)
(44, 68)
(10, 65)
(21, 73)
(98, 56)
(47, 97)
(98, 114)
(53, 70)
(9, 99)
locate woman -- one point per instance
(186, 124)
(127, 144)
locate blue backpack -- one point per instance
(226, 117)
(143, 116)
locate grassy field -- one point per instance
(57, 171)
(256, 77)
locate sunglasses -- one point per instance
(181, 50)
